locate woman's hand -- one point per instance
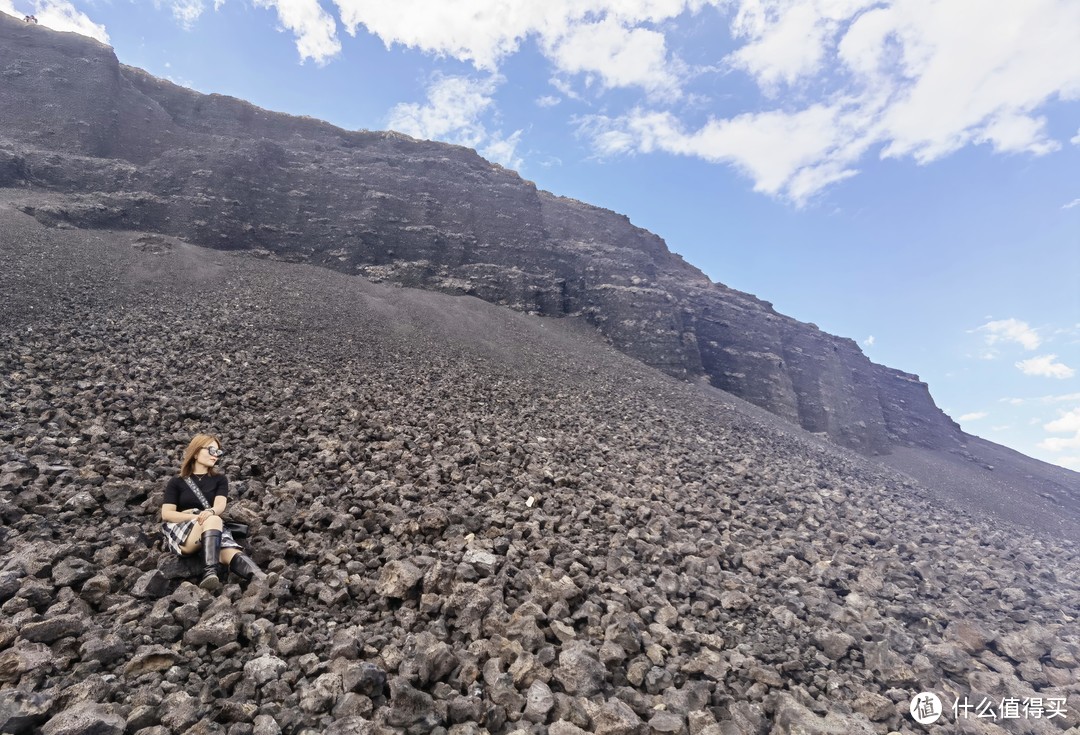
(203, 515)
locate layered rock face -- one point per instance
(130, 151)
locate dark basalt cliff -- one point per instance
(117, 148)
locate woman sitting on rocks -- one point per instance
(204, 492)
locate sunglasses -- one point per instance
(214, 452)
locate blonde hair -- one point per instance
(196, 445)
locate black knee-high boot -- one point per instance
(244, 567)
(211, 551)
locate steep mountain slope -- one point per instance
(129, 151)
(687, 563)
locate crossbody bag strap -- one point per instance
(198, 493)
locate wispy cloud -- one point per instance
(456, 111)
(314, 28)
(186, 12)
(974, 416)
(1011, 330)
(1060, 444)
(869, 341)
(616, 41)
(503, 150)
(1065, 398)
(1073, 203)
(785, 154)
(1045, 366)
(1066, 423)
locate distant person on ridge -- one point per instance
(204, 492)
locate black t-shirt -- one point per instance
(179, 494)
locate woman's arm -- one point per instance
(219, 504)
(170, 514)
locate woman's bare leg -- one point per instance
(194, 539)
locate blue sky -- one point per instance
(903, 172)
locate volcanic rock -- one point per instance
(792, 718)
(579, 671)
(151, 584)
(411, 709)
(264, 669)
(22, 712)
(53, 629)
(397, 578)
(85, 718)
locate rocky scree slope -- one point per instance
(130, 151)
(683, 567)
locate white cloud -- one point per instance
(869, 341)
(786, 40)
(187, 12)
(621, 56)
(795, 155)
(1011, 330)
(1060, 444)
(1045, 366)
(314, 28)
(609, 38)
(454, 113)
(1013, 401)
(978, 82)
(63, 16)
(565, 88)
(1074, 202)
(1066, 398)
(1015, 133)
(479, 32)
(503, 151)
(548, 101)
(915, 78)
(1067, 422)
(974, 416)
(1075, 140)
(453, 109)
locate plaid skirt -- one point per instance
(176, 534)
